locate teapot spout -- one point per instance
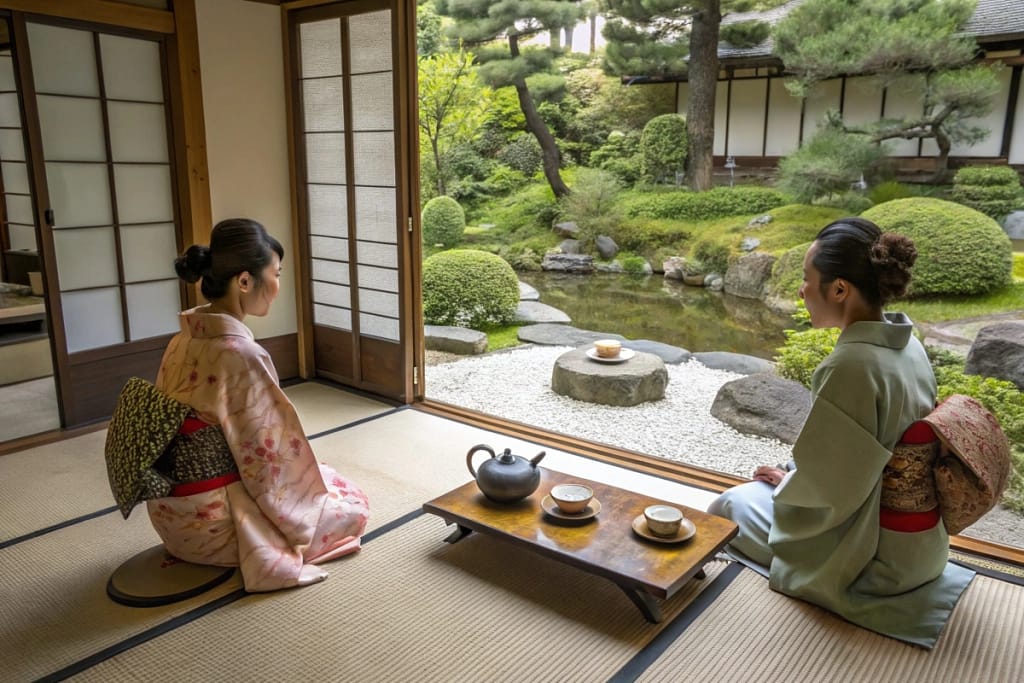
(537, 458)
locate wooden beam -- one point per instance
(299, 4)
(193, 173)
(100, 12)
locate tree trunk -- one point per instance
(437, 167)
(593, 33)
(700, 109)
(567, 38)
(550, 155)
(941, 161)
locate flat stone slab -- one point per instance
(668, 353)
(534, 312)
(547, 334)
(641, 378)
(734, 362)
(458, 340)
(528, 292)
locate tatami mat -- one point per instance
(321, 407)
(411, 608)
(754, 634)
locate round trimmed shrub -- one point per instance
(959, 250)
(663, 147)
(993, 190)
(443, 222)
(469, 288)
(788, 273)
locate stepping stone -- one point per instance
(734, 362)
(641, 378)
(562, 335)
(668, 353)
(460, 340)
(528, 293)
(533, 312)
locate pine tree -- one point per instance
(498, 29)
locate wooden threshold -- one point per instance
(689, 475)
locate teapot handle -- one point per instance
(474, 449)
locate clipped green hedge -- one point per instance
(719, 202)
(663, 148)
(788, 273)
(443, 222)
(469, 288)
(993, 190)
(960, 250)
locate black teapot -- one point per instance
(505, 478)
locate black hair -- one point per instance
(237, 245)
(855, 249)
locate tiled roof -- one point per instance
(991, 18)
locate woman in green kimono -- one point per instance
(818, 531)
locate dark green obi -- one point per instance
(148, 453)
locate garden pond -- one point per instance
(693, 318)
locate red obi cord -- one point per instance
(190, 426)
(908, 522)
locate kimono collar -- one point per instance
(200, 324)
(894, 333)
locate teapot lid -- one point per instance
(506, 458)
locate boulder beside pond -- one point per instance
(998, 351)
(746, 277)
(568, 263)
(763, 404)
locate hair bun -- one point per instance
(194, 263)
(893, 256)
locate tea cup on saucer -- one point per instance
(663, 520)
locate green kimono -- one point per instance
(818, 532)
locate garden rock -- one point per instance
(613, 267)
(1014, 225)
(528, 293)
(641, 378)
(547, 334)
(998, 351)
(668, 353)
(533, 312)
(739, 363)
(568, 263)
(460, 340)
(569, 246)
(673, 267)
(765, 405)
(714, 282)
(567, 229)
(749, 244)
(606, 247)
(747, 276)
(760, 220)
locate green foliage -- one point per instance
(788, 273)
(620, 156)
(592, 205)
(634, 265)
(964, 306)
(821, 39)
(888, 191)
(502, 337)
(522, 153)
(745, 34)
(851, 202)
(993, 190)
(605, 105)
(443, 221)
(829, 163)
(469, 288)
(712, 256)
(1018, 266)
(804, 349)
(960, 251)
(428, 30)
(504, 180)
(716, 203)
(663, 148)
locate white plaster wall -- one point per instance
(903, 98)
(242, 70)
(820, 98)
(746, 117)
(1017, 142)
(783, 120)
(863, 100)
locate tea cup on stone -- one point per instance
(608, 348)
(663, 520)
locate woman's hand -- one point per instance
(769, 475)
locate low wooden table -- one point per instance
(605, 545)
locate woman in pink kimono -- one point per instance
(270, 508)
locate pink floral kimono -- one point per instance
(286, 512)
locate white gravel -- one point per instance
(516, 385)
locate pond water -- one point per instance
(663, 310)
